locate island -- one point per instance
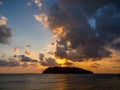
(66, 70)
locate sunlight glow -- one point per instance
(61, 62)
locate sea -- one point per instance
(59, 82)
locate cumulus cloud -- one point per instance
(5, 32)
(84, 29)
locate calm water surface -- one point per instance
(59, 82)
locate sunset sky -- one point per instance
(36, 34)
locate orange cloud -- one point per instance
(42, 18)
(59, 32)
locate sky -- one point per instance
(36, 34)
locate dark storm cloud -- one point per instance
(89, 27)
(24, 58)
(60, 52)
(10, 63)
(89, 6)
(47, 61)
(116, 46)
(5, 32)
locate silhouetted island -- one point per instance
(66, 70)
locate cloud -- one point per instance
(24, 58)
(25, 64)
(47, 61)
(116, 46)
(3, 55)
(28, 52)
(60, 52)
(38, 3)
(118, 60)
(18, 61)
(3, 21)
(43, 18)
(95, 65)
(16, 50)
(68, 64)
(116, 67)
(5, 32)
(11, 63)
(84, 29)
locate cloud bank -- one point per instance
(85, 29)
(10, 63)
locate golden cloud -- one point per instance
(3, 21)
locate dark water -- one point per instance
(59, 82)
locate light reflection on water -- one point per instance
(59, 82)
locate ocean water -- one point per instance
(59, 82)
